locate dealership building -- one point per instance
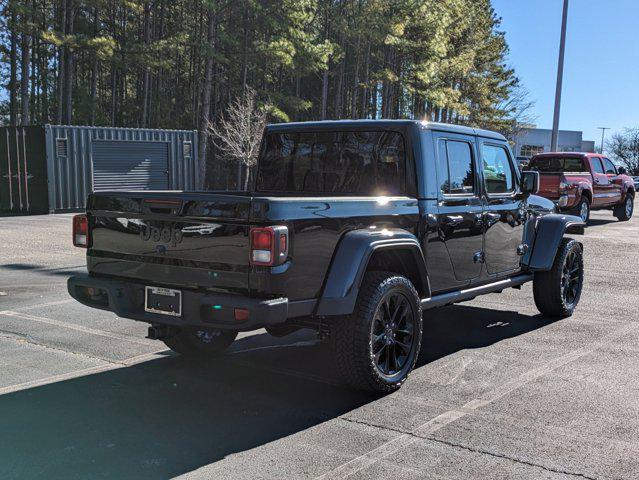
(531, 141)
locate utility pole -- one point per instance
(603, 131)
(560, 76)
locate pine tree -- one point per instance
(180, 63)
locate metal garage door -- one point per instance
(130, 165)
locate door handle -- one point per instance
(493, 216)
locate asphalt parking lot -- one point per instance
(502, 392)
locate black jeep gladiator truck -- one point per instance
(352, 228)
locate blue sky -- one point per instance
(601, 71)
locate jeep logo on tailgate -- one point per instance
(167, 234)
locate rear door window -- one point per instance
(349, 162)
(455, 168)
(596, 165)
(498, 172)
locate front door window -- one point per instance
(498, 174)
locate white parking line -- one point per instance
(81, 373)
(78, 328)
(446, 418)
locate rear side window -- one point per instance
(558, 164)
(596, 165)
(455, 168)
(355, 163)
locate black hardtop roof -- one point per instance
(381, 124)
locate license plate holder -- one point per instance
(165, 301)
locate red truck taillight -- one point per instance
(81, 231)
(269, 245)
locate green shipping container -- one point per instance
(23, 170)
(52, 168)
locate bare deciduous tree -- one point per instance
(237, 135)
(519, 108)
(624, 148)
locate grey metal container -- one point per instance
(80, 160)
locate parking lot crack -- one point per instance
(21, 338)
(416, 436)
(380, 427)
(506, 457)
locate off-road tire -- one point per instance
(548, 287)
(577, 210)
(351, 337)
(200, 342)
(624, 211)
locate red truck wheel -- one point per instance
(582, 209)
(624, 211)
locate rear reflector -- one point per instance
(80, 231)
(241, 314)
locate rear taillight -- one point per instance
(269, 245)
(81, 231)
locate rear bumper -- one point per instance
(564, 199)
(126, 299)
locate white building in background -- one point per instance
(531, 141)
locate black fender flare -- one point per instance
(543, 235)
(351, 259)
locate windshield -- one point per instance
(557, 164)
(349, 162)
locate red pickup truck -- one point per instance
(581, 182)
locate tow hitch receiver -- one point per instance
(159, 332)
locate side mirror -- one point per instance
(622, 170)
(529, 182)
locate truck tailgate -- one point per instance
(549, 184)
(193, 239)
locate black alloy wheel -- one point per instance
(393, 334)
(376, 347)
(558, 290)
(572, 278)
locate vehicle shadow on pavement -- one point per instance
(43, 269)
(599, 222)
(171, 415)
(451, 329)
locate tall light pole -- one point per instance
(603, 131)
(560, 77)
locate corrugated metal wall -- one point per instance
(70, 159)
